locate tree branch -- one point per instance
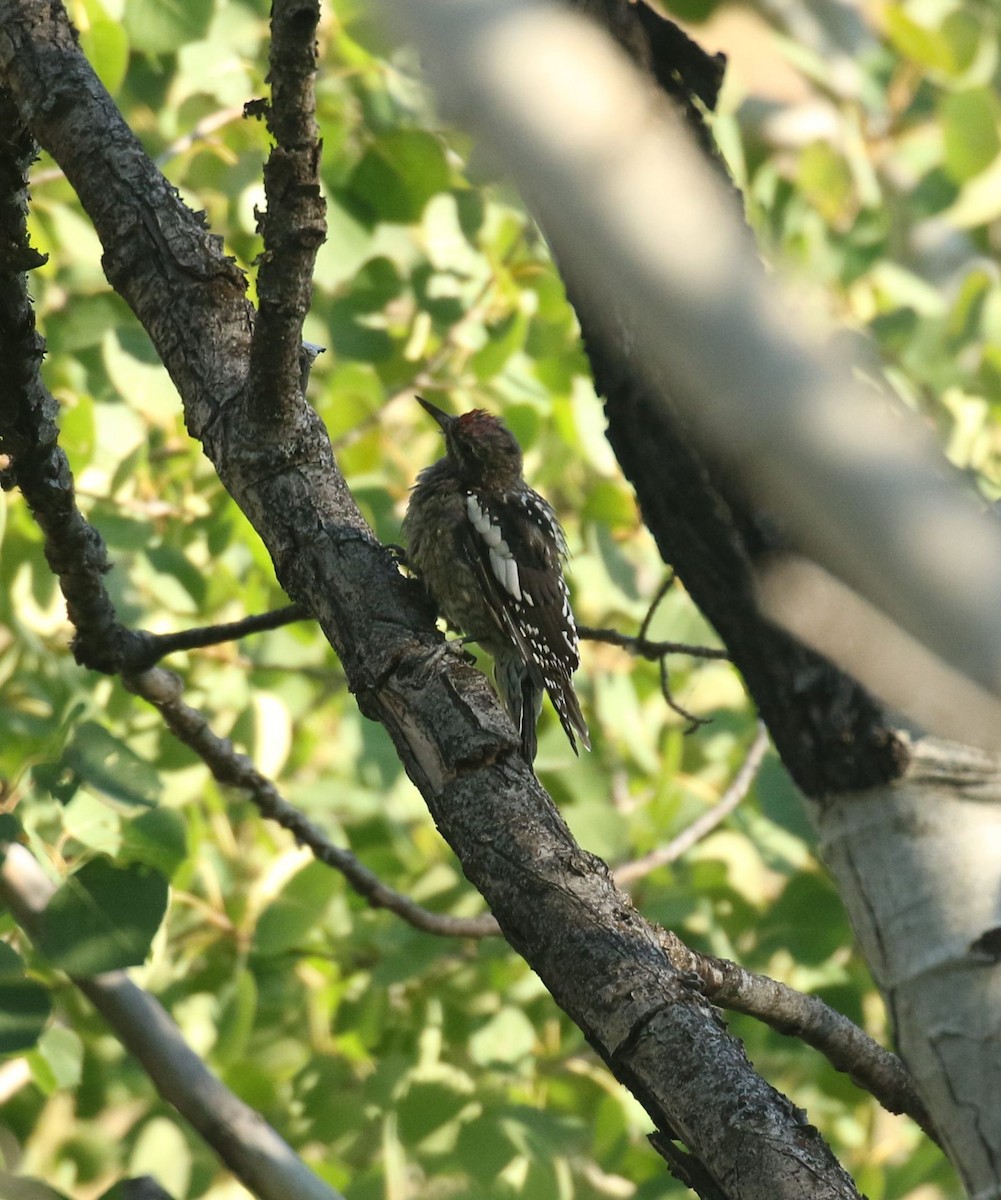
(841, 1041)
(641, 647)
(294, 224)
(241, 1137)
(203, 331)
(142, 1188)
(28, 432)
(725, 983)
(158, 645)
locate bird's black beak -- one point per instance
(443, 418)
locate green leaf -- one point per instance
(157, 838)
(163, 26)
(103, 918)
(299, 908)
(139, 376)
(93, 823)
(979, 201)
(989, 375)
(108, 766)
(961, 32)
(970, 127)
(950, 50)
(10, 829)
(57, 1061)
(25, 1006)
(237, 1020)
(161, 1150)
(399, 174)
(914, 40)
(967, 309)
(505, 1038)
(376, 283)
(175, 565)
(610, 503)
(693, 11)
(427, 1106)
(484, 1149)
(807, 920)
(826, 180)
(504, 338)
(93, 317)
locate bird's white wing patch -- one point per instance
(513, 583)
(505, 570)
(502, 561)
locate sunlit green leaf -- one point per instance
(106, 45)
(24, 1004)
(299, 908)
(163, 26)
(105, 763)
(102, 918)
(971, 126)
(57, 1061)
(399, 173)
(505, 1038)
(156, 838)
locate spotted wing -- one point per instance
(517, 549)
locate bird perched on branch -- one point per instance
(490, 551)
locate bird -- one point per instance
(490, 552)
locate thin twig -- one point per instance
(694, 721)
(641, 647)
(162, 689)
(159, 645)
(666, 584)
(677, 846)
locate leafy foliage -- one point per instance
(396, 1063)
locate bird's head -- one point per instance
(480, 446)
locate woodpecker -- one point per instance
(490, 551)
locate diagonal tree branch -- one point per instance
(841, 1041)
(723, 983)
(204, 336)
(76, 551)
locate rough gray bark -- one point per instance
(917, 863)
